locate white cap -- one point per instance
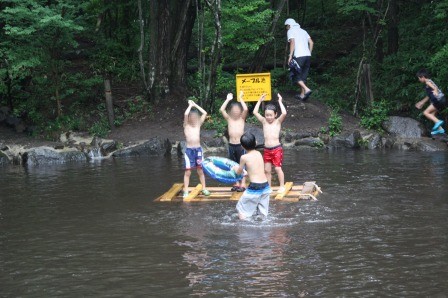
(290, 22)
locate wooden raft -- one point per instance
(293, 193)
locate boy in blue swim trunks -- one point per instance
(236, 118)
(256, 196)
(437, 101)
(193, 152)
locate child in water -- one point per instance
(193, 152)
(437, 101)
(273, 151)
(236, 118)
(256, 197)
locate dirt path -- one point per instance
(307, 117)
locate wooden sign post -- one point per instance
(254, 85)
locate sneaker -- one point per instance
(437, 125)
(185, 194)
(241, 189)
(281, 190)
(438, 132)
(205, 192)
(234, 188)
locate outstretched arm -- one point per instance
(282, 117)
(421, 103)
(257, 107)
(243, 104)
(240, 168)
(187, 111)
(224, 105)
(203, 112)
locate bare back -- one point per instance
(253, 160)
(236, 129)
(271, 133)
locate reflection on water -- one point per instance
(379, 229)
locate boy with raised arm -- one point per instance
(193, 152)
(273, 151)
(256, 197)
(236, 119)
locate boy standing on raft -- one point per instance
(236, 119)
(193, 152)
(437, 101)
(256, 197)
(273, 151)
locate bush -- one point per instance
(376, 115)
(334, 123)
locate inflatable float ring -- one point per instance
(220, 169)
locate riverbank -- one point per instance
(161, 133)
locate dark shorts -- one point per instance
(439, 104)
(193, 158)
(235, 152)
(305, 63)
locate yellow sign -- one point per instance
(254, 85)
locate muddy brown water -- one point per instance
(379, 230)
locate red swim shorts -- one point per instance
(273, 155)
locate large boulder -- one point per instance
(257, 132)
(48, 155)
(351, 140)
(154, 146)
(310, 142)
(404, 127)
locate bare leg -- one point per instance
(241, 216)
(267, 171)
(304, 87)
(201, 177)
(281, 176)
(187, 179)
(243, 182)
(430, 113)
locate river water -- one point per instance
(379, 229)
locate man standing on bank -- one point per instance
(300, 49)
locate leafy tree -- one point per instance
(36, 37)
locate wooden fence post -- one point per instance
(368, 83)
(109, 103)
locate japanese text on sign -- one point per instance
(254, 85)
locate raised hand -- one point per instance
(280, 98)
(229, 96)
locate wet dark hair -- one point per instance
(248, 141)
(423, 73)
(270, 107)
(237, 104)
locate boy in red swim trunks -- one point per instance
(273, 151)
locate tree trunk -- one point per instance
(170, 27)
(392, 28)
(262, 53)
(215, 53)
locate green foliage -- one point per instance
(334, 123)
(216, 123)
(100, 128)
(376, 115)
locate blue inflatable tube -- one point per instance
(220, 169)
